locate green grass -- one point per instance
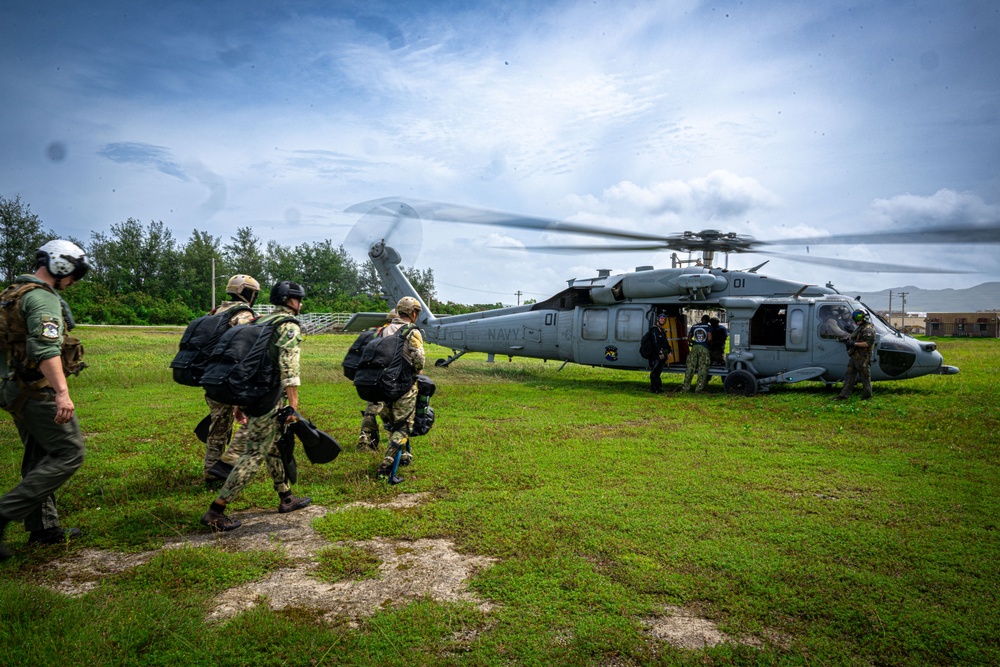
(861, 533)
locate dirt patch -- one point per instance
(409, 569)
(685, 629)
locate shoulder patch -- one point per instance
(50, 330)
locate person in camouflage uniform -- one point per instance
(368, 439)
(219, 462)
(35, 357)
(398, 415)
(264, 431)
(699, 358)
(859, 349)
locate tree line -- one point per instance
(141, 274)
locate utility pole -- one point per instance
(518, 294)
(890, 306)
(902, 322)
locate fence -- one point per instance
(313, 323)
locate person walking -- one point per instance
(222, 449)
(36, 357)
(399, 415)
(262, 427)
(698, 360)
(860, 346)
(368, 438)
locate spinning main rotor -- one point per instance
(708, 241)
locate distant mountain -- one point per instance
(968, 300)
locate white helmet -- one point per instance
(63, 259)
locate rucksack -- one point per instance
(241, 370)
(14, 334)
(383, 374)
(353, 356)
(647, 346)
(196, 346)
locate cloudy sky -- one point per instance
(778, 119)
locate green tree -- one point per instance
(282, 263)
(21, 235)
(196, 263)
(136, 259)
(243, 255)
(423, 282)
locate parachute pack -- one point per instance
(241, 370)
(198, 343)
(647, 346)
(353, 356)
(383, 374)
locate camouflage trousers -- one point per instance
(221, 443)
(398, 416)
(262, 434)
(369, 438)
(859, 366)
(52, 453)
(697, 362)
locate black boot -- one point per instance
(53, 535)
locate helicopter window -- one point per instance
(629, 324)
(767, 326)
(796, 327)
(835, 321)
(595, 324)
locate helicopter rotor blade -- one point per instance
(964, 233)
(858, 265)
(444, 212)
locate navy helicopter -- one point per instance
(780, 331)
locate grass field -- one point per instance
(806, 531)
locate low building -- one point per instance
(981, 324)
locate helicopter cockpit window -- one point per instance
(835, 321)
(595, 324)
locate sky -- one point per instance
(778, 119)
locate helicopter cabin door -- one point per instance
(610, 336)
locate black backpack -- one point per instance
(241, 370)
(647, 346)
(197, 344)
(353, 356)
(383, 374)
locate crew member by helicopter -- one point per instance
(860, 345)
(717, 348)
(661, 350)
(699, 358)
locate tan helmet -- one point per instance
(408, 306)
(243, 287)
(391, 315)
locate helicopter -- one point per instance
(780, 331)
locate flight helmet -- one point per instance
(243, 287)
(62, 259)
(285, 290)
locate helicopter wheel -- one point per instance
(740, 383)
(440, 362)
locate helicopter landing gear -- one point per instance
(444, 362)
(740, 383)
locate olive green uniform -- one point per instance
(263, 432)
(859, 364)
(52, 452)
